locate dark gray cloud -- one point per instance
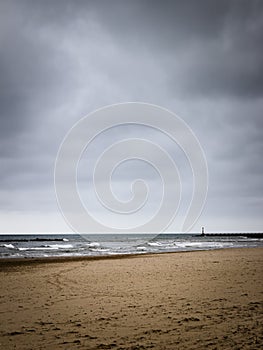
(60, 60)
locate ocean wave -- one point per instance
(75, 245)
(164, 245)
(100, 250)
(93, 244)
(9, 246)
(60, 246)
(48, 247)
(201, 244)
(155, 244)
(141, 248)
(38, 239)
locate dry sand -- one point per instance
(195, 300)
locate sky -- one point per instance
(61, 60)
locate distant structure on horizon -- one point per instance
(257, 235)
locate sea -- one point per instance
(70, 245)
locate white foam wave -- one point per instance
(200, 244)
(9, 246)
(164, 245)
(93, 244)
(141, 248)
(48, 247)
(61, 246)
(155, 244)
(100, 250)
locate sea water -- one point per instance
(57, 245)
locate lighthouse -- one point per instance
(203, 231)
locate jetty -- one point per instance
(231, 234)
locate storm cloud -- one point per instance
(60, 60)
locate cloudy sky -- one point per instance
(60, 60)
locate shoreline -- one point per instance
(63, 259)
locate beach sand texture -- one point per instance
(193, 300)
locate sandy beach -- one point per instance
(193, 300)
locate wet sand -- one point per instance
(193, 300)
